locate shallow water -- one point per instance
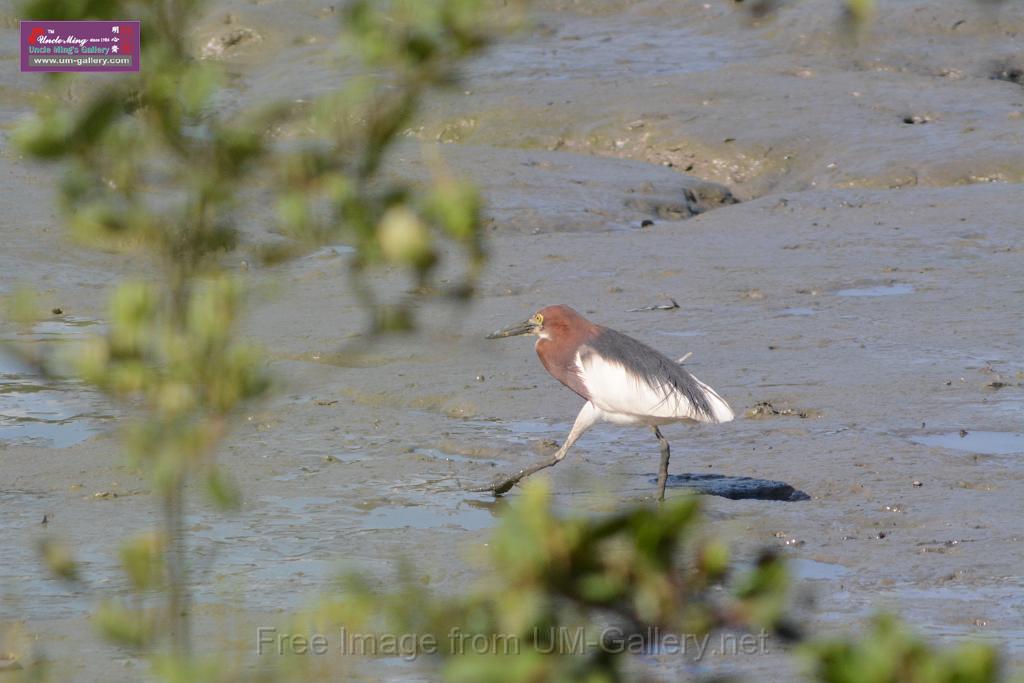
(813, 570)
(990, 443)
(878, 290)
(798, 311)
(606, 50)
(34, 409)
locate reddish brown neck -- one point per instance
(557, 352)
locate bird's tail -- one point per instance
(720, 410)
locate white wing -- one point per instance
(613, 389)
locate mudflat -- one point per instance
(838, 223)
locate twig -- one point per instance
(660, 307)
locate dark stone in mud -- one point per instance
(735, 488)
(709, 196)
(1009, 72)
(914, 119)
(695, 200)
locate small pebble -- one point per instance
(646, 223)
(917, 483)
(480, 378)
(58, 311)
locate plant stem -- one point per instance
(178, 594)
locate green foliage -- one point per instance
(612, 578)
(860, 11)
(406, 47)
(617, 579)
(853, 14)
(143, 560)
(888, 653)
(124, 625)
(182, 366)
(151, 166)
(59, 559)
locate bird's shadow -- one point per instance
(735, 488)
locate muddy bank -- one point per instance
(358, 465)
(926, 97)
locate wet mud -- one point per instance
(859, 307)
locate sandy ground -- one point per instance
(870, 280)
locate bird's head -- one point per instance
(547, 323)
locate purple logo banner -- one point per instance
(80, 46)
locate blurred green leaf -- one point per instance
(223, 490)
(888, 653)
(59, 559)
(24, 307)
(142, 559)
(132, 628)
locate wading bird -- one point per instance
(623, 381)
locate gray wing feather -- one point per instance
(651, 366)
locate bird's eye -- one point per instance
(538, 319)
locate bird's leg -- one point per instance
(586, 419)
(666, 453)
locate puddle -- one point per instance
(246, 556)
(1001, 603)
(422, 517)
(797, 311)
(591, 49)
(448, 456)
(989, 443)
(1009, 406)
(25, 585)
(67, 328)
(10, 366)
(531, 427)
(527, 430)
(879, 290)
(55, 412)
(332, 250)
(812, 570)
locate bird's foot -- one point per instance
(501, 486)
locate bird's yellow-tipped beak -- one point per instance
(525, 327)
